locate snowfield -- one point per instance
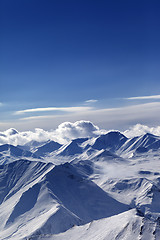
(100, 187)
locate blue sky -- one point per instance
(57, 55)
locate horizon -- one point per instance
(68, 131)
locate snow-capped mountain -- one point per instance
(111, 141)
(9, 153)
(32, 145)
(47, 148)
(104, 187)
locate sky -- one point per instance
(79, 60)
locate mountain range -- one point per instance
(103, 187)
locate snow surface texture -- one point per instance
(104, 186)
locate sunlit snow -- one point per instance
(98, 185)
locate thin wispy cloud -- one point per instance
(38, 117)
(144, 97)
(48, 109)
(91, 101)
(107, 118)
(148, 113)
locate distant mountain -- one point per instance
(142, 144)
(11, 150)
(47, 148)
(114, 143)
(151, 141)
(111, 141)
(72, 148)
(31, 145)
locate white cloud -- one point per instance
(67, 131)
(108, 118)
(38, 117)
(10, 132)
(63, 109)
(78, 129)
(139, 129)
(91, 101)
(64, 133)
(144, 97)
(21, 138)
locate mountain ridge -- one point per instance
(79, 186)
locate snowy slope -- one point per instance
(111, 141)
(125, 226)
(105, 187)
(59, 197)
(72, 148)
(10, 153)
(32, 145)
(47, 148)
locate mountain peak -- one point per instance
(71, 149)
(48, 147)
(112, 140)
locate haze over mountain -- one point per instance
(102, 186)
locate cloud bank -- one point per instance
(63, 134)
(139, 129)
(68, 131)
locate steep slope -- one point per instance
(15, 151)
(74, 147)
(79, 189)
(8, 153)
(16, 175)
(70, 149)
(87, 194)
(47, 148)
(117, 143)
(125, 226)
(50, 199)
(111, 141)
(105, 155)
(31, 145)
(141, 144)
